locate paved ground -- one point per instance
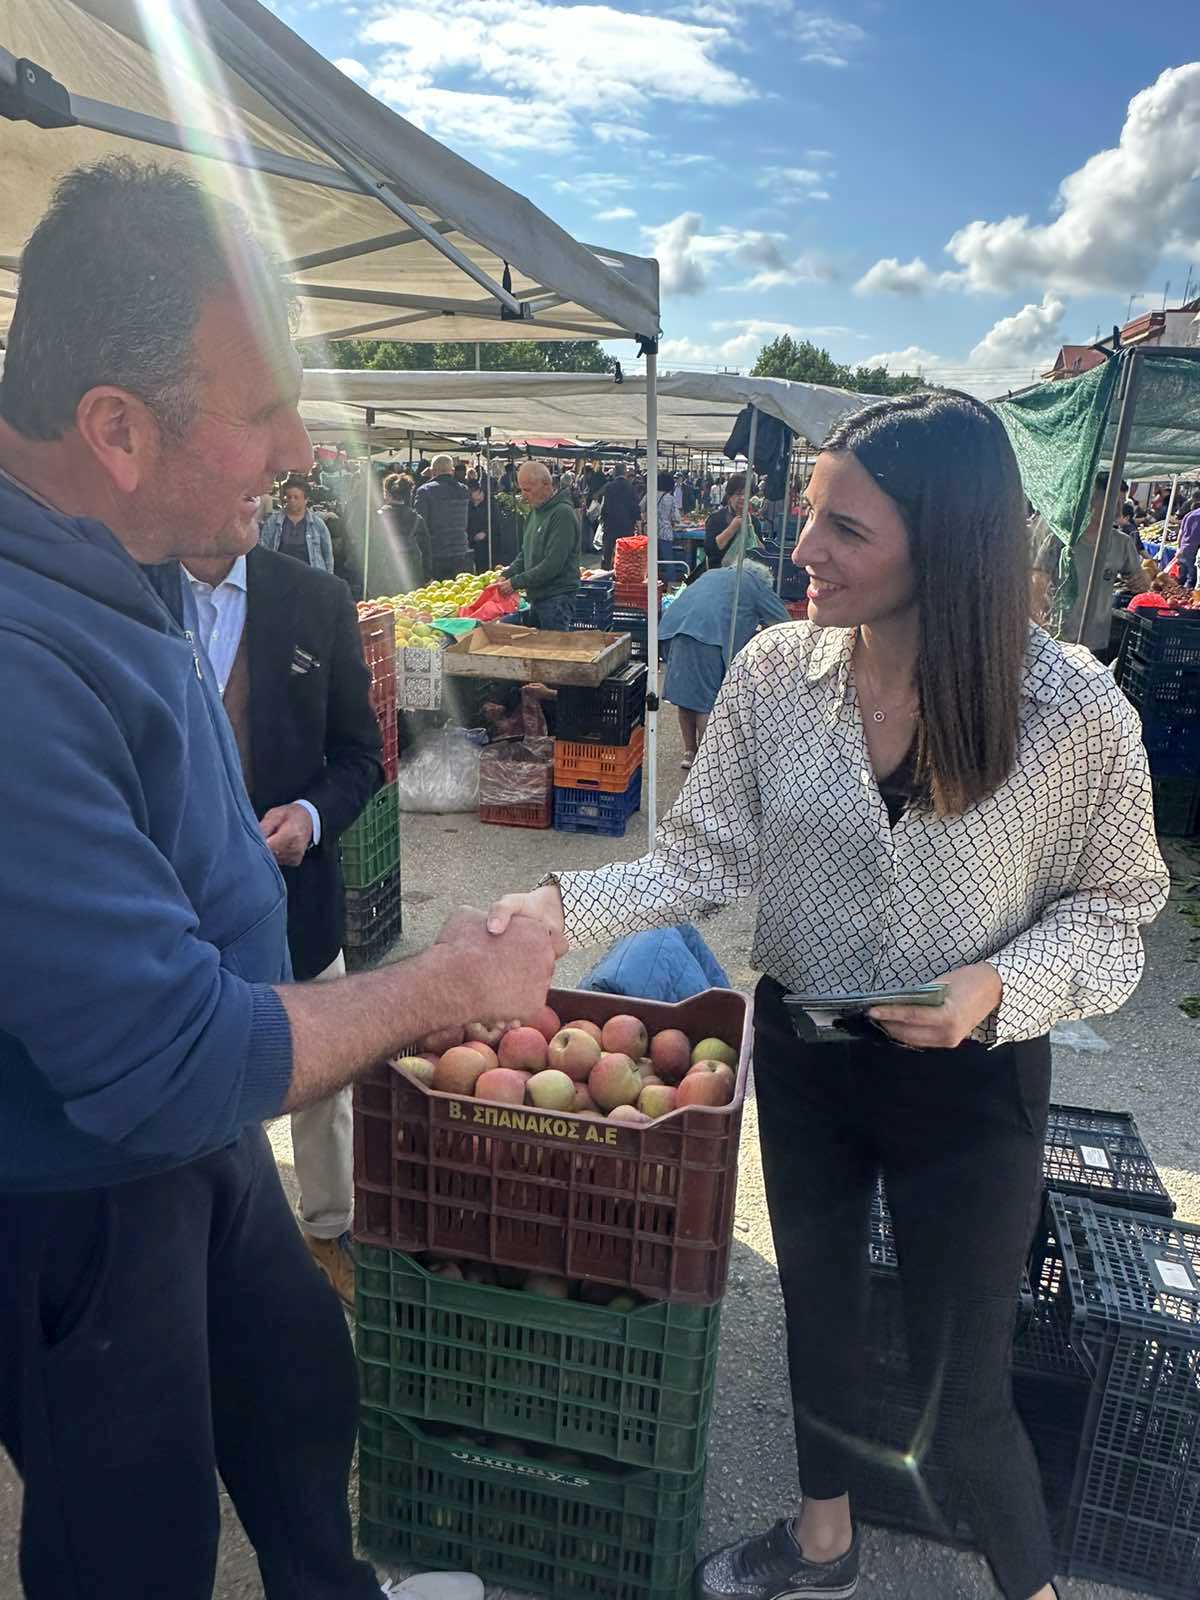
(1149, 1068)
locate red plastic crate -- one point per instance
(645, 1208)
(377, 629)
(635, 596)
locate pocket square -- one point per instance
(302, 661)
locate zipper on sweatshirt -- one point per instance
(188, 635)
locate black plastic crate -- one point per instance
(1162, 687)
(373, 921)
(1176, 806)
(1100, 1155)
(1128, 1283)
(607, 715)
(1172, 745)
(1165, 639)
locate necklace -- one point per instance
(882, 713)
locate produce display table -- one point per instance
(536, 655)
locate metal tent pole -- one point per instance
(1170, 506)
(1130, 379)
(487, 479)
(737, 582)
(651, 756)
(792, 478)
(367, 497)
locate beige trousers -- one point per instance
(323, 1153)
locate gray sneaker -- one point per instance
(771, 1567)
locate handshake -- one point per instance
(506, 957)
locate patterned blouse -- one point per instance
(1049, 879)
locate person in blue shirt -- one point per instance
(297, 531)
(161, 1320)
(697, 624)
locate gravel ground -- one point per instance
(1148, 1068)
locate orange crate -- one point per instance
(607, 767)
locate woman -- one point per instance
(477, 524)
(404, 539)
(667, 519)
(729, 528)
(920, 787)
(697, 624)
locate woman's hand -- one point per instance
(974, 993)
(544, 905)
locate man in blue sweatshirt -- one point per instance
(160, 1317)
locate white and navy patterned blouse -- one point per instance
(1049, 879)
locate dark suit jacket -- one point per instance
(313, 734)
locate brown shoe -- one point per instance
(335, 1261)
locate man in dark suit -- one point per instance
(285, 648)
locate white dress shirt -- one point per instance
(221, 616)
(1049, 879)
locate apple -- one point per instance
(624, 1036)
(546, 1022)
(701, 1089)
(716, 1069)
(416, 1067)
(583, 1100)
(671, 1053)
(458, 1071)
(574, 1052)
(490, 1059)
(524, 1049)
(586, 1027)
(502, 1084)
(714, 1050)
(614, 1081)
(657, 1100)
(552, 1091)
(545, 1283)
(628, 1114)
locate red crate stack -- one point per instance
(377, 629)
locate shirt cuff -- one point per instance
(316, 821)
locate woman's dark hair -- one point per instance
(946, 461)
(398, 487)
(735, 485)
(666, 483)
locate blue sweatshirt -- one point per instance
(142, 918)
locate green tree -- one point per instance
(518, 355)
(801, 361)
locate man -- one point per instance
(1189, 544)
(547, 568)
(297, 531)
(284, 646)
(444, 502)
(160, 1317)
(618, 513)
(1051, 573)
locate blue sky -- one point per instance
(956, 187)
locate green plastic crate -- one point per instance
(371, 846)
(452, 1503)
(634, 1387)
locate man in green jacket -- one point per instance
(547, 568)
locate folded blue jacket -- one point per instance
(667, 964)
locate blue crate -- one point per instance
(585, 811)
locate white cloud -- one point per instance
(1008, 355)
(827, 41)
(352, 69)
(892, 276)
(596, 186)
(523, 58)
(741, 343)
(616, 214)
(687, 256)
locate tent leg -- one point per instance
(367, 497)
(487, 483)
(1131, 377)
(651, 756)
(1170, 506)
(737, 582)
(787, 507)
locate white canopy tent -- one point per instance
(697, 409)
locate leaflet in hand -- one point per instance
(830, 1014)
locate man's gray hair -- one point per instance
(536, 471)
(440, 465)
(113, 282)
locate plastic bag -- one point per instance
(441, 772)
(516, 772)
(490, 605)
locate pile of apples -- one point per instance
(546, 1284)
(616, 1071)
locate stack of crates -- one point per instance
(1106, 1372)
(370, 847)
(1159, 669)
(538, 1315)
(594, 605)
(598, 753)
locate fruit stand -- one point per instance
(543, 1218)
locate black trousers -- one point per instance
(153, 1335)
(958, 1137)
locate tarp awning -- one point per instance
(234, 78)
(694, 408)
(1064, 431)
